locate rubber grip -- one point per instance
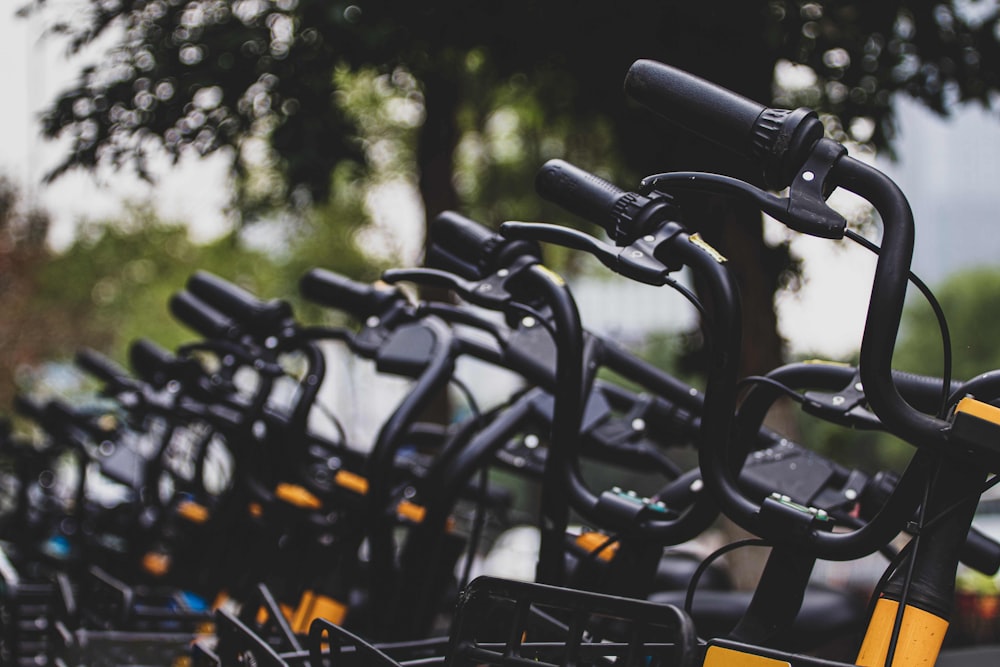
(57, 411)
(149, 359)
(580, 192)
(29, 407)
(467, 248)
(981, 552)
(336, 291)
(201, 317)
(461, 235)
(701, 107)
(235, 301)
(99, 365)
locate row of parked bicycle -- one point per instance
(212, 506)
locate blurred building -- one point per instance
(950, 171)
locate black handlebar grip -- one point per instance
(581, 193)
(981, 552)
(624, 215)
(99, 365)
(780, 139)
(150, 361)
(236, 302)
(467, 248)
(701, 107)
(29, 407)
(356, 298)
(201, 317)
(57, 411)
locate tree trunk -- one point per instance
(436, 145)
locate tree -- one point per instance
(22, 250)
(209, 75)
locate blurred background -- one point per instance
(145, 139)
(257, 138)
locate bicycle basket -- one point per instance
(500, 622)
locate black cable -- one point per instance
(469, 398)
(763, 379)
(904, 595)
(938, 314)
(476, 533)
(479, 516)
(337, 425)
(687, 294)
(711, 558)
(895, 561)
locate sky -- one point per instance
(33, 71)
(949, 170)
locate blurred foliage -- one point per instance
(319, 101)
(25, 333)
(970, 300)
(115, 280)
(209, 74)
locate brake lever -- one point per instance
(635, 261)
(489, 292)
(804, 210)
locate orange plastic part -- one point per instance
(718, 656)
(313, 606)
(192, 511)
(920, 636)
(351, 482)
(293, 494)
(156, 564)
(974, 408)
(591, 541)
(411, 511)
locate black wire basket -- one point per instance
(500, 622)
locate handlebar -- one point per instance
(784, 141)
(886, 305)
(720, 400)
(255, 315)
(203, 318)
(336, 291)
(159, 366)
(100, 366)
(622, 214)
(466, 248)
(780, 139)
